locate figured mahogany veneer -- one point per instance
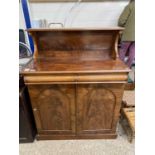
(76, 82)
(79, 43)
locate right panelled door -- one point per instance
(98, 107)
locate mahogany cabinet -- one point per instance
(76, 83)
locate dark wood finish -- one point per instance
(76, 82)
(76, 43)
(98, 107)
(54, 108)
(27, 130)
(64, 137)
(63, 66)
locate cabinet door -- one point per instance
(53, 108)
(98, 107)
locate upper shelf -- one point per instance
(54, 42)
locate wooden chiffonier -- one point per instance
(76, 82)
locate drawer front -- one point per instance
(99, 78)
(76, 78)
(47, 79)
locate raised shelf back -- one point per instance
(79, 43)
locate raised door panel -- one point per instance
(98, 107)
(53, 108)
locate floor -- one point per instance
(119, 146)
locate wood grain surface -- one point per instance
(46, 41)
(53, 107)
(76, 82)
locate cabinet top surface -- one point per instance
(74, 65)
(75, 29)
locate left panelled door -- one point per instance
(54, 108)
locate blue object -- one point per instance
(27, 21)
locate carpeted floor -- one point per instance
(119, 146)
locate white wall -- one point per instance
(21, 18)
(94, 14)
(22, 24)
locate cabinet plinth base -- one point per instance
(65, 137)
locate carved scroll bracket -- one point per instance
(34, 37)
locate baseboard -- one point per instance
(69, 137)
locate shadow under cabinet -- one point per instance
(27, 129)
